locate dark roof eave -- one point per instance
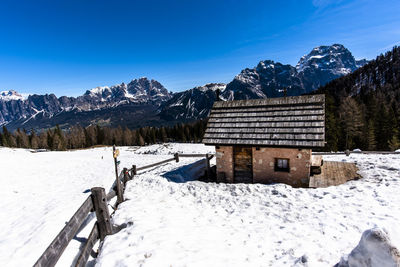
(253, 145)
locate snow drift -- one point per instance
(374, 249)
(192, 223)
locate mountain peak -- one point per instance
(335, 58)
(10, 95)
(211, 86)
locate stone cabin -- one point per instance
(266, 140)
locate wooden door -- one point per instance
(243, 167)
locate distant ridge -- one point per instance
(146, 102)
(268, 79)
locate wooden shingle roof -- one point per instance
(295, 121)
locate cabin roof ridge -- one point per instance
(300, 115)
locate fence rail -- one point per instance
(97, 202)
(57, 247)
(176, 158)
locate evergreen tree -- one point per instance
(49, 139)
(163, 135)
(140, 139)
(59, 139)
(33, 140)
(100, 135)
(331, 125)
(371, 136)
(394, 143)
(6, 137)
(382, 124)
(352, 122)
(127, 137)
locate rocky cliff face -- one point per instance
(99, 105)
(14, 108)
(193, 103)
(269, 79)
(326, 63)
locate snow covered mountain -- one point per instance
(10, 95)
(268, 79)
(193, 103)
(326, 63)
(15, 111)
(147, 102)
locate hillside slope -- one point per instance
(363, 108)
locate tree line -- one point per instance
(362, 109)
(79, 137)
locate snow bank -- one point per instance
(171, 148)
(190, 172)
(41, 191)
(192, 223)
(208, 224)
(374, 249)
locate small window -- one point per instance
(282, 165)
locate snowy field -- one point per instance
(192, 223)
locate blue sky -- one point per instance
(67, 47)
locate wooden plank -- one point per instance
(243, 164)
(58, 245)
(111, 195)
(341, 177)
(289, 143)
(90, 242)
(280, 101)
(287, 124)
(193, 155)
(334, 173)
(120, 197)
(126, 176)
(133, 171)
(155, 164)
(319, 130)
(281, 113)
(208, 165)
(310, 106)
(102, 214)
(316, 137)
(266, 119)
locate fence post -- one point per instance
(120, 197)
(133, 172)
(102, 214)
(176, 156)
(208, 166)
(126, 177)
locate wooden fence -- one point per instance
(97, 202)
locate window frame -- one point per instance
(280, 169)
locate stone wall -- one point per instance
(224, 157)
(264, 166)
